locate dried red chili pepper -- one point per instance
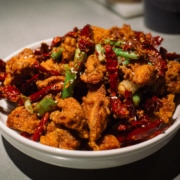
(147, 40)
(44, 70)
(133, 132)
(148, 45)
(39, 130)
(156, 41)
(112, 69)
(156, 59)
(29, 86)
(118, 108)
(41, 93)
(43, 52)
(142, 127)
(86, 31)
(152, 104)
(11, 93)
(139, 122)
(152, 129)
(128, 126)
(56, 41)
(25, 134)
(85, 42)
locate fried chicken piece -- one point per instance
(20, 66)
(167, 109)
(108, 141)
(60, 138)
(124, 31)
(94, 71)
(96, 108)
(20, 119)
(57, 80)
(172, 77)
(99, 34)
(70, 116)
(51, 126)
(144, 75)
(69, 47)
(141, 75)
(50, 65)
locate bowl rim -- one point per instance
(80, 153)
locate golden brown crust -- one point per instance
(166, 111)
(20, 66)
(108, 142)
(70, 116)
(60, 138)
(20, 119)
(172, 77)
(96, 109)
(94, 71)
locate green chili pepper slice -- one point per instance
(71, 74)
(100, 52)
(45, 105)
(68, 83)
(28, 106)
(125, 54)
(113, 43)
(56, 54)
(136, 99)
(79, 57)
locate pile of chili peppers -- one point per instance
(137, 129)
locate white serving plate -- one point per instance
(84, 159)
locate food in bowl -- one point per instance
(92, 89)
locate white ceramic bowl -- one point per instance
(85, 159)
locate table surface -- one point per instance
(23, 22)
